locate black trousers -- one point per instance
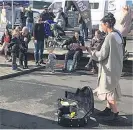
(23, 57)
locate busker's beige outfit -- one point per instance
(110, 59)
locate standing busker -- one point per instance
(124, 22)
(75, 45)
(14, 47)
(5, 41)
(96, 44)
(29, 20)
(24, 40)
(83, 28)
(110, 59)
(22, 17)
(39, 36)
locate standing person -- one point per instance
(24, 40)
(124, 22)
(5, 41)
(39, 36)
(23, 17)
(83, 28)
(29, 20)
(110, 59)
(14, 47)
(45, 15)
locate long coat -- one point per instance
(110, 59)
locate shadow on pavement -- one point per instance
(11, 119)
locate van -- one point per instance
(99, 8)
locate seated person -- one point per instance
(96, 44)
(74, 46)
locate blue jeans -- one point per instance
(83, 30)
(29, 26)
(38, 52)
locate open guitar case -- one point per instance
(75, 109)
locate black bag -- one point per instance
(76, 115)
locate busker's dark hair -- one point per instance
(110, 19)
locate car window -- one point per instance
(94, 5)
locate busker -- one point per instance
(110, 59)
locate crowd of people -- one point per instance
(106, 50)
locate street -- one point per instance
(29, 101)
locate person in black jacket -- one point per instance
(45, 15)
(74, 46)
(39, 35)
(23, 17)
(24, 40)
(14, 47)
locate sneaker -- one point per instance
(38, 64)
(112, 117)
(64, 70)
(42, 62)
(106, 112)
(21, 66)
(25, 67)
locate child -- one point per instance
(96, 44)
(14, 46)
(51, 60)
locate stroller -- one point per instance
(53, 32)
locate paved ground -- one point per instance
(29, 101)
(7, 72)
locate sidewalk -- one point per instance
(7, 72)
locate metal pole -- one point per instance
(12, 16)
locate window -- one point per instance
(94, 5)
(40, 4)
(130, 3)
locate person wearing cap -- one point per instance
(45, 15)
